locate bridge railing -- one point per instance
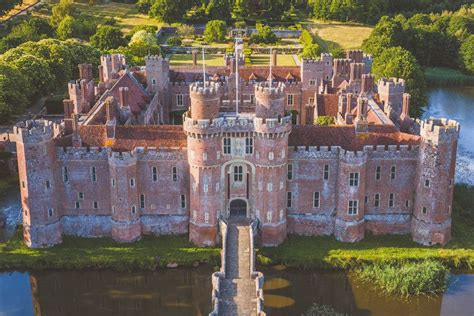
(220, 275)
(256, 275)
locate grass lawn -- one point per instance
(447, 76)
(327, 252)
(264, 60)
(25, 4)
(345, 35)
(100, 253)
(187, 60)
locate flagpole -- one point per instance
(236, 81)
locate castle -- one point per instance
(244, 142)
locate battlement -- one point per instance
(122, 158)
(391, 85)
(82, 153)
(209, 88)
(353, 157)
(35, 131)
(276, 89)
(439, 130)
(153, 58)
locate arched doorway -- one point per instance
(238, 207)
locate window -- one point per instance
(204, 156)
(26, 212)
(252, 99)
(311, 100)
(378, 173)
(93, 174)
(23, 185)
(312, 82)
(391, 200)
(354, 179)
(316, 199)
(153, 81)
(283, 153)
(407, 203)
(132, 182)
(269, 216)
(226, 146)
(50, 212)
(179, 100)
(174, 174)
(142, 201)
(48, 184)
(249, 145)
(206, 217)
(353, 208)
(112, 180)
(366, 198)
(154, 174)
(290, 172)
(95, 205)
(77, 204)
(218, 155)
(134, 209)
(80, 195)
(113, 209)
(288, 199)
(183, 201)
(393, 171)
(65, 174)
(424, 211)
(427, 183)
(377, 200)
(270, 155)
(269, 186)
(290, 99)
(238, 173)
(326, 172)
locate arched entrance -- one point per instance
(238, 207)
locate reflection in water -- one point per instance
(335, 293)
(168, 292)
(457, 104)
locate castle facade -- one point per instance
(115, 166)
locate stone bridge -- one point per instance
(237, 288)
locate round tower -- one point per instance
(38, 184)
(270, 100)
(350, 208)
(204, 151)
(431, 223)
(124, 196)
(205, 100)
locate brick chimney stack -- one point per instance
(123, 92)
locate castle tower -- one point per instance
(205, 100)
(431, 223)
(157, 71)
(124, 196)
(350, 207)
(391, 94)
(111, 66)
(270, 101)
(316, 72)
(39, 184)
(204, 150)
(356, 56)
(271, 144)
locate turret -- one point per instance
(391, 93)
(205, 100)
(356, 56)
(350, 208)
(124, 196)
(38, 183)
(431, 222)
(315, 72)
(111, 66)
(270, 100)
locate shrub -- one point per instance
(174, 41)
(215, 31)
(324, 120)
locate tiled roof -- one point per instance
(138, 98)
(327, 104)
(262, 73)
(345, 136)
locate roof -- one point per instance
(138, 98)
(327, 104)
(346, 137)
(262, 73)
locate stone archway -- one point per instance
(238, 207)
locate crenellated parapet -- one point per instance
(82, 153)
(438, 131)
(122, 158)
(394, 85)
(205, 100)
(35, 131)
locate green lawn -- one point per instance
(187, 59)
(264, 60)
(344, 35)
(100, 253)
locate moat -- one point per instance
(287, 292)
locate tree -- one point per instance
(107, 37)
(466, 54)
(167, 11)
(37, 73)
(69, 27)
(7, 5)
(13, 85)
(400, 63)
(264, 35)
(174, 41)
(144, 43)
(186, 31)
(240, 10)
(218, 9)
(215, 31)
(61, 10)
(387, 33)
(311, 51)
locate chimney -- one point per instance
(101, 73)
(274, 58)
(195, 53)
(76, 137)
(367, 83)
(405, 106)
(68, 112)
(85, 72)
(349, 102)
(361, 109)
(110, 110)
(123, 92)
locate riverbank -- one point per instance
(439, 76)
(77, 253)
(325, 252)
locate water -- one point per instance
(458, 104)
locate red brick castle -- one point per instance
(245, 144)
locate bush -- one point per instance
(174, 41)
(324, 120)
(215, 31)
(407, 279)
(54, 105)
